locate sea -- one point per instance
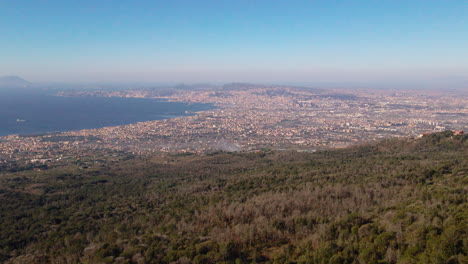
(30, 112)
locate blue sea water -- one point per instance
(33, 112)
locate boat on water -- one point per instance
(20, 120)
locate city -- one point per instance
(234, 132)
(252, 117)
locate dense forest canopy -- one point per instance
(395, 201)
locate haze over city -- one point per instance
(376, 42)
(234, 132)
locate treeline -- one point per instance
(396, 201)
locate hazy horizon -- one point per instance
(373, 42)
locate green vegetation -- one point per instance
(396, 201)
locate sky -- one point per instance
(236, 40)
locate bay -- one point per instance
(34, 112)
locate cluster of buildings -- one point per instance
(256, 117)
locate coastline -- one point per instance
(160, 113)
(258, 118)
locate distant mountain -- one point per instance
(13, 82)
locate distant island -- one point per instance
(13, 82)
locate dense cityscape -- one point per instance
(234, 132)
(250, 118)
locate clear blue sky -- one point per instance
(235, 40)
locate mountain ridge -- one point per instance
(13, 81)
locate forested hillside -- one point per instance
(396, 201)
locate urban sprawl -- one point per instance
(249, 118)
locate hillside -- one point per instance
(13, 82)
(396, 201)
